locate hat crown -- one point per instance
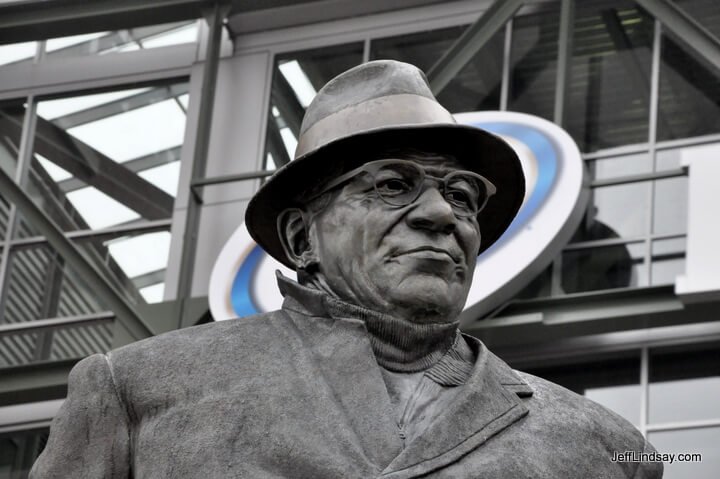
(375, 79)
(382, 94)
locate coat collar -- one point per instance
(489, 402)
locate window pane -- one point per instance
(477, 84)
(705, 12)
(689, 102)
(137, 261)
(11, 124)
(609, 214)
(17, 52)
(4, 214)
(533, 62)
(606, 267)
(670, 205)
(539, 287)
(297, 77)
(704, 441)
(619, 166)
(684, 384)
(122, 40)
(609, 94)
(668, 260)
(667, 159)
(613, 382)
(107, 158)
(18, 451)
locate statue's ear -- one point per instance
(294, 236)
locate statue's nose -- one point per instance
(432, 212)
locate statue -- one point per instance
(363, 372)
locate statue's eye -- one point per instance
(393, 186)
(459, 198)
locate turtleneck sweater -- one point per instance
(422, 364)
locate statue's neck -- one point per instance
(399, 344)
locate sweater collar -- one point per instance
(399, 345)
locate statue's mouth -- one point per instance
(430, 252)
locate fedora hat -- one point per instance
(375, 107)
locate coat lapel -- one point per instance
(486, 405)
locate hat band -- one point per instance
(393, 111)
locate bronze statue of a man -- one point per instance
(363, 372)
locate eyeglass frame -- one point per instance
(373, 167)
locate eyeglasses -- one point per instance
(399, 183)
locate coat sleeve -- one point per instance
(649, 470)
(89, 437)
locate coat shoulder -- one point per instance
(555, 400)
(585, 424)
(201, 336)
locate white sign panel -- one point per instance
(243, 279)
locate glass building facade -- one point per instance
(104, 132)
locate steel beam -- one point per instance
(687, 29)
(122, 105)
(96, 169)
(52, 324)
(283, 97)
(471, 41)
(565, 45)
(35, 382)
(25, 21)
(95, 280)
(214, 18)
(135, 165)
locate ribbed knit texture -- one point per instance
(399, 345)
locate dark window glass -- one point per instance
(689, 101)
(668, 260)
(613, 382)
(608, 101)
(684, 384)
(704, 441)
(616, 211)
(606, 267)
(539, 287)
(4, 216)
(533, 60)
(297, 76)
(475, 87)
(18, 451)
(11, 123)
(705, 12)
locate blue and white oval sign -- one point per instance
(243, 278)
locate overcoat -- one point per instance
(296, 393)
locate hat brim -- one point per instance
(477, 149)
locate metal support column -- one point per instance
(25, 148)
(565, 45)
(214, 19)
(687, 29)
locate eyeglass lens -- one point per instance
(400, 185)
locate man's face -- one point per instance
(414, 261)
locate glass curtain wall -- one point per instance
(681, 390)
(608, 110)
(104, 166)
